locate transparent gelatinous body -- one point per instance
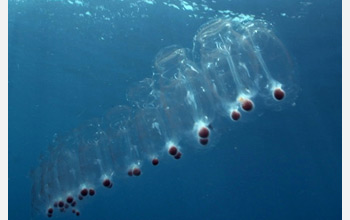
(182, 87)
(228, 61)
(235, 66)
(275, 66)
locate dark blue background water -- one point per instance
(282, 165)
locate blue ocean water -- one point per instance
(70, 61)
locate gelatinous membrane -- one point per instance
(148, 133)
(229, 61)
(182, 87)
(275, 66)
(237, 66)
(121, 130)
(93, 160)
